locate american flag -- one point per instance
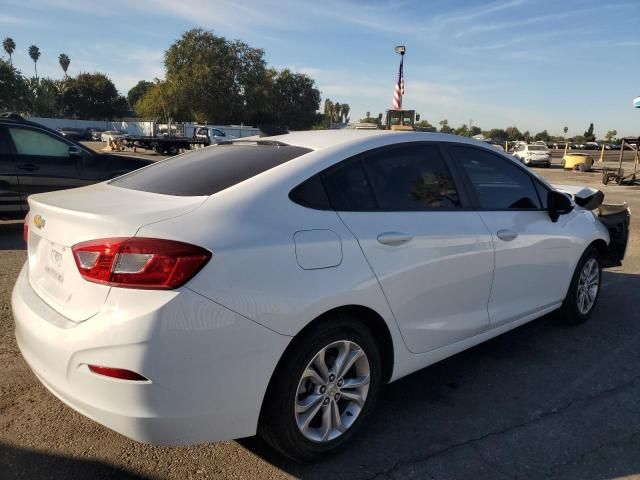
(398, 90)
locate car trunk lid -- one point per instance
(60, 220)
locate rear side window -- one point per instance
(348, 188)
(208, 170)
(498, 183)
(410, 178)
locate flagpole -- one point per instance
(401, 50)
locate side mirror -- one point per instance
(75, 152)
(558, 204)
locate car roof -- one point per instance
(321, 139)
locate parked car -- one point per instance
(75, 134)
(213, 135)
(112, 135)
(35, 159)
(592, 146)
(533, 154)
(274, 285)
(96, 134)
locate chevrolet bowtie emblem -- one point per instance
(39, 222)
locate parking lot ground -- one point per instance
(543, 401)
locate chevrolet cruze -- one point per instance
(274, 285)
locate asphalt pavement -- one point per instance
(542, 401)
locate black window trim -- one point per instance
(471, 190)
(466, 200)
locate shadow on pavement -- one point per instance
(545, 400)
(11, 236)
(18, 463)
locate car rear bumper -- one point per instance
(208, 367)
(538, 161)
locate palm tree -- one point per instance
(64, 62)
(337, 112)
(9, 46)
(34, 53)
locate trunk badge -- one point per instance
(39, 222)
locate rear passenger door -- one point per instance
(533, 255)
(432, 254)
(10, 199)
(43, 162)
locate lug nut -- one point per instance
(336, 397)
(325, 401)
(323, 389)
(340, 382)
(332, 377)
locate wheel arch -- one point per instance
(368, 317)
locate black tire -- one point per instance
(278, 425)
(173, 150)
(570, 312)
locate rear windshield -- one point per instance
(537, 148)
(208, 170)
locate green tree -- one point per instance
(34, 53)
(45, 97)
(475, 130)
(542, 136)
(496, 134)
(138, 91)
(513, 134)
(589, 135)
(611, 134)
(14, 91)
(345, 112)
(64, 61)
(444, 126)
(217, 80)
(93, 96)
(463, 130)
(9, 46)
(565, 130)
(294, 100)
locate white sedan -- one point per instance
(274, 285)
(112, 135)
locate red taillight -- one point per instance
(139, 262)
(118, 373)
(25, 229)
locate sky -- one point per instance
(536, 64)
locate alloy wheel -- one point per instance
(332, 391)
(588, 285)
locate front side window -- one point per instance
(498, 183)
(34, 142)
(412, 177)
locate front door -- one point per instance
(432, 256)
(43, 162)
(10, 198)
(533, 255)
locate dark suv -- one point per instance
(35, 159)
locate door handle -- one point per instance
(394, 238)
(507, 235)
(29, 167)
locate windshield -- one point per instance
(209, 170)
